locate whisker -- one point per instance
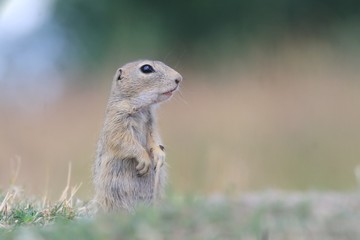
(182, 98)
(168, 55)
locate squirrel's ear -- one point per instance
(118, 74)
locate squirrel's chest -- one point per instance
(140, 127)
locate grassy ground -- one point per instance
(263, 215)
(290, 121)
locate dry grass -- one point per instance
(18, 209)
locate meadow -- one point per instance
(265, 215)
(290, 122)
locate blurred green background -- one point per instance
(270, 97)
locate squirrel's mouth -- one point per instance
(169, 93)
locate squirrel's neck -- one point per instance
(124, 108)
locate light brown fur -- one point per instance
(129, 147)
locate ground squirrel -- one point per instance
(129, 147)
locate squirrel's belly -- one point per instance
(126, 189)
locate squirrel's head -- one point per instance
(145, 82)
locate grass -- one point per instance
(19, 210)
(292, 122)
(262, 215)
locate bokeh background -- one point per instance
(270, 97)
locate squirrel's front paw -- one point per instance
(143, 166)
(158, 155)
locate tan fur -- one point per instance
(129, 147)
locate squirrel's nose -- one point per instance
(178, 79)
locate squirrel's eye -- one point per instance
(147, 69)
